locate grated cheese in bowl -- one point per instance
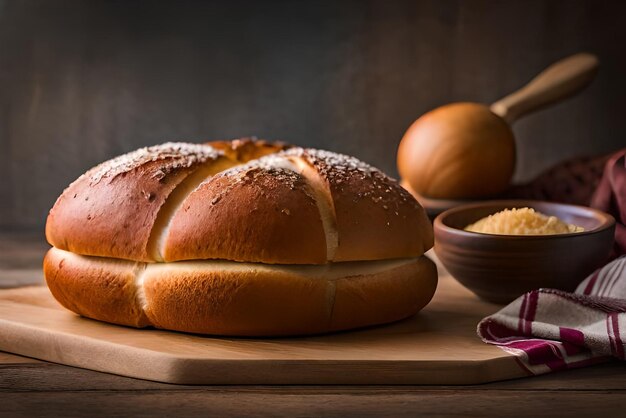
(522, 221)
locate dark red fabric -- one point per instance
(572, 181)
(610, 197)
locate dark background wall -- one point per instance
(82, 81)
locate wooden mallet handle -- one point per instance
(559, 81)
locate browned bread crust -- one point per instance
(246, 149)
(247, 299)
(180, 201)
(111, 209)
(257, 214)
(374, 217)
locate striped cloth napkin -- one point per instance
(548, 329)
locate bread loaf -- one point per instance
(239, 238)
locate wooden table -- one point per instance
(30, 387)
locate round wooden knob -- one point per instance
(461, 150)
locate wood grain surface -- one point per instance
(82, 81)
(437, 346)
(44, 389)
(33, 388)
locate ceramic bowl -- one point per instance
(499, 268)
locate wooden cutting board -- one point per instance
(437, 346)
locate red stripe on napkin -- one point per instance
(591, 283)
